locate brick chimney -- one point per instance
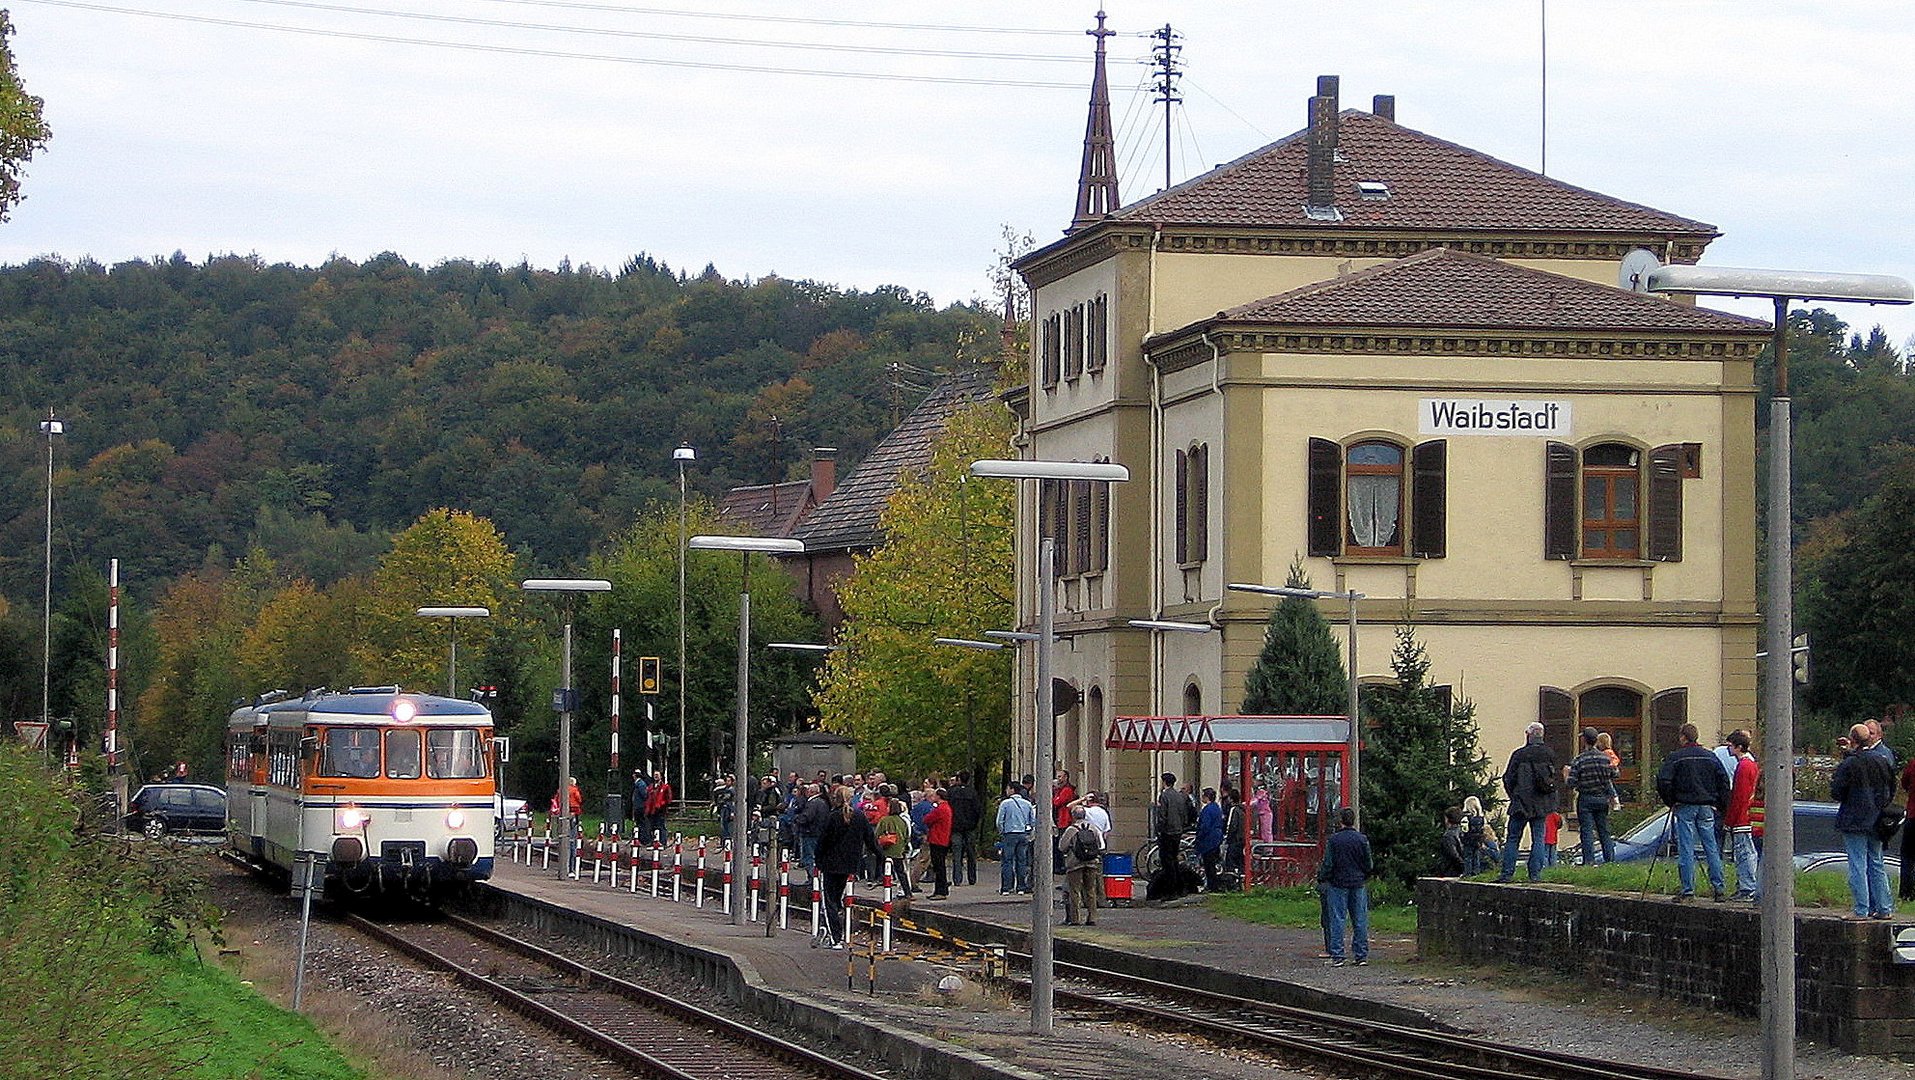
(824, 473)
(1323, 145)
(1384, 107)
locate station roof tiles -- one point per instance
(1431, 184)
(849, 518)
(1453, 290)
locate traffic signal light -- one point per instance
(1799, 657)
(648, 674)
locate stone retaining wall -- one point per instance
(1848, 991)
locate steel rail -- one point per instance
(703, 1025)
(1405, 1051)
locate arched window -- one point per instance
(1612, 502)
(1373, 499)
(1193, 700)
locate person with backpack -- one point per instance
(1083, 848)
(1530, 782)
(844, 836)
(1475, 831)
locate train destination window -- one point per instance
(454, 754)
(349, 752)
(402, 754)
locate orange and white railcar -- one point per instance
(394, 790)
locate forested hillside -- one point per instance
(211, 405)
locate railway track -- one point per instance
(637, 1028)
(1346, 1045)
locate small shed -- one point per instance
(809, 752)
(1288, 770)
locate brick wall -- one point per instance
(1848, 992)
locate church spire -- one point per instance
(1097, 178)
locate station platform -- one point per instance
(1180, 942)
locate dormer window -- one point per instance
(1372, 190)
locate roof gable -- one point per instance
(849, 518)
(1453, 290)
(1431, 184)
(766, 509)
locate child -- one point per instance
(1552, 824)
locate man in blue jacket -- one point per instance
(1863, 785)
(1344, 877)
(1210, 837)
(1696, 790)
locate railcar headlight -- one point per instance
(352, 818)
(455, 819)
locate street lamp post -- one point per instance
(741, 760)
(49, 427)
(452, 615)
(1778, 720)
(1352, 596)
(682, 456)
(1041, 751)
(565, 700)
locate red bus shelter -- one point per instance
(1287, 769)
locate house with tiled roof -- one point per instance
(1424, 372)
(846, 524)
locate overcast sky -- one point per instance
(594, 130)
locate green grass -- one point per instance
(1298, 906)
(1818, 890)
(216, 1027)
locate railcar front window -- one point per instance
(402, 755)
(350, 752)
(454, 754)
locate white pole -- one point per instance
(741, 761)
(112, 664)
(1041, 966)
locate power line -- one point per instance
(593, 31)
(559, 54)
(796, 20)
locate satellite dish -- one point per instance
(1634, 274)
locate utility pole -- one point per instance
(1164, 55)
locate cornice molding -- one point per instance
(1192, 351)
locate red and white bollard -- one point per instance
(888, 886)
(751, 889)
(725, 878)
(658, 860)
(678, 866)
(545, 848)
(784, 894)
(698, 883)
(635, 856)
(598, 851)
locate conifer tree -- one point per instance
(1299, 672)
(1419, 759)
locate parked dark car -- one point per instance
(178, 809)
(1814, 833)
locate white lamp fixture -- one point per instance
(741, 730)
(1042, 958)
(1778, 720)
(453, 615)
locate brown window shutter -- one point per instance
(1557, 712)
(1445, 698)
(1080, 512)
(1200, 503)
(1183, 507)
(1100, 526)
(1665, 503)
(1326, 517)
(1559, 501)
(1429, 500)
(1668, 711)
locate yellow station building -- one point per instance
(1423, 371)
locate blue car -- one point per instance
(1814, 833)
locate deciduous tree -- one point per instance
(23, 131)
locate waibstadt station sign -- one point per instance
(1493, 416)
